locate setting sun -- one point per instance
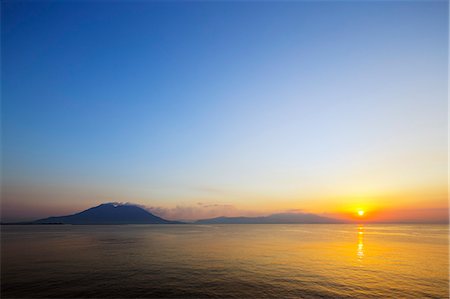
(361, 213)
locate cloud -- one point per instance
(121, 203)
(295, 211)
(200, 211)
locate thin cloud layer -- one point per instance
(200, 211)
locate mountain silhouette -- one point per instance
(283, 218)
(113, 213)
(109, 213)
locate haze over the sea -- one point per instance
(206, 109)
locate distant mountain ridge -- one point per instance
(282, 218)
(109, 213)
(117, 213)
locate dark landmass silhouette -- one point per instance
(109, 213)
(114, 213)
(282, 218)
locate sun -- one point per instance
(361, 213)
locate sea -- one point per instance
(225, 261)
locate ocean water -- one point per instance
(225, 261)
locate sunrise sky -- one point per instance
(203, 109)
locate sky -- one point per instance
(202, 109)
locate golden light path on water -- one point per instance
(360, 251)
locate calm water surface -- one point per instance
(225, 261)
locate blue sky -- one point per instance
(260, 106)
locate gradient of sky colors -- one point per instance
(198, 109)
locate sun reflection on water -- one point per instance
(360, 250)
